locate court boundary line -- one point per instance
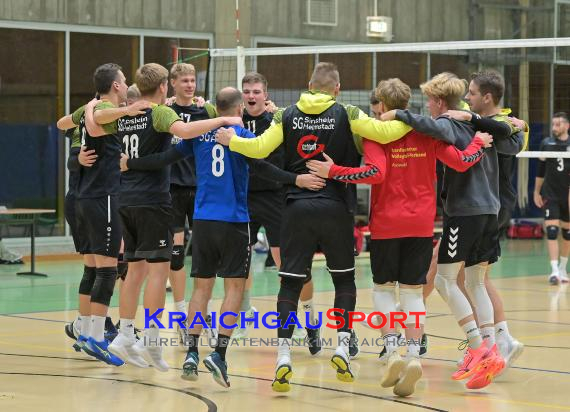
(212, 407)
(366, 395)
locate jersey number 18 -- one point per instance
(131, 144)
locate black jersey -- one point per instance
(307, 136)
(257, 125)
(183, 172)
(143, 135)
(103, 178)
(556, 170)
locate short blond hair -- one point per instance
(446, 86)
(325, 77)
(149, 77)
(133, 92)
(394, 93)
(182, 69)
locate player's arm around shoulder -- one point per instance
(372, 129)
(258, 147)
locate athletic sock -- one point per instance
(222, 345)
(180, 306)
(128, 328)
(98, 328)
(284, 351)
(245, 303)
(563, 263)
(554, 266)
(489, 334)
(473, 335)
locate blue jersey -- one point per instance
(222, 178)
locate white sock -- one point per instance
(180, 306)
(473, 335)
(210, 306)
(308, 307)
(413, 348)
(502, 331)
(84, 325)
(554, 266)
(489, 334)
(151, 335)
(390, 342)
(284, 351)
(98, 328)
(343, 342)
(563, 262)
(128, 328)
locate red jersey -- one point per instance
(402, 174)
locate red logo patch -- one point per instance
(308, 147)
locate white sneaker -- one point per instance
(152, 355)
(554, 279)
(123, 347)
(510, 350)
(394, 367)
(341, 363)
(241, 333)
(564, 278)
(299, 333)
(406, 385)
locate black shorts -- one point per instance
(147, 232)
(220, 248)
(316, 223)
(182, 206)
(99, 226)
(556, 209)
(469, 239)
(71, 219)
(266, 209)
(405, 260)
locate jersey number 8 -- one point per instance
(218, 160)
(131, 146)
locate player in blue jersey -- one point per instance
(220, 240)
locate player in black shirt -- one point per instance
(551, 194)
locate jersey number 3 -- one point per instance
(131, 144)
(218, 160)
(560, 167)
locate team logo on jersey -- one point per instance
(308, 146)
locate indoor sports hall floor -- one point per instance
(39, 371)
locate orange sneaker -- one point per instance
(472, 360)
(486, 371)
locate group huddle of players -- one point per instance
(141, 170)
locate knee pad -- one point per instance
(446, 285)
(412, 300)
(344, 284)
(446, 275)
(104, 285)
(552, 232)
(86, 284)
(177, 261)
(290, 288)
(384, 297)
(566, 234)
(475, 287)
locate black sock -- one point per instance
(222, 345)
(192, 341)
